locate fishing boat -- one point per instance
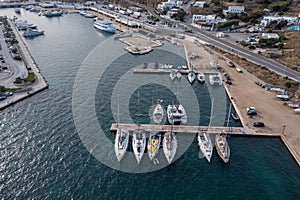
(153, 144)
(105, 25)
(176, 114)
(191, 76)
(205, 145)
(158, 114)
(139, 144)
(172, 74)
(121, 143)
(201, 77)
(215, 79)
(170, 145)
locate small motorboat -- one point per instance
(201, 77)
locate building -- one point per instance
(270, 36)
(206, 22)
(90, 3)
(234, 9)
(167, 4)
(268, 19)
(200, 4)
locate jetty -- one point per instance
(189, 129)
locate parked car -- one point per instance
(251, 111)
(230, 64)
(258, 124)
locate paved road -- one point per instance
(249, 55)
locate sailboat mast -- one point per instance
(229, 111)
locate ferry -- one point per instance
(106, 26)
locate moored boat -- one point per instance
(205, 145)
(176, 114)
(158, 114)
(169, 146)
(139, 144)
(215, 79)
(52, 14)
(153, 144)
(104, 25)
(222, 147)
(121, 143)
(191, 76)
(32, 33)
(235, 116)
(201, 77)
(178, 74)
(173, 74)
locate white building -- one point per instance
(268, 19)
(167, 4)
(200, 4)
(209, 19)
(270, 36)
(234, 9)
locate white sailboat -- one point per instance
(191, 76)
(121, 140)
(221, 143)
(153, 144)
(204, 140)
(139, 144)
(170, 145)
(178, 74)
(158, 114)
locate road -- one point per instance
(244, 53)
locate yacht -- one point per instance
(139, 144)
(32, 33)
(89, 15)
(172, 74)
(222, 147)
(169, 146)
(215, 79)
(176, 113)
(153, 144)
(121, 143)
(53, 14)
(158, 114)
(106, 26)
(191, 76)
(205, 145)
(23, 25)
(201, 77)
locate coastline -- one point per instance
(38, 85)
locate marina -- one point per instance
(41, 130)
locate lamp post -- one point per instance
(283, 128)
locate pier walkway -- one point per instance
(189, 129)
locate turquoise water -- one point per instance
(42, 155)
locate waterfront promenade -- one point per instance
(38, 85)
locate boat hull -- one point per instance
(222, 147)
(121, 143)
(169, 146)
(139, 144)
(153, 145)
(107, 30)
(205, 145)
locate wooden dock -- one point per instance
(162, 71)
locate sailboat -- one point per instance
(173, 74)
(222, 143)
(191, 76)
(153, 144)
(158, 113)
(139, 142)
(204, 141)
(121, 140)
(170, 145)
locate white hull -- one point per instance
(201, 77)
(139, 144)
(104, 28)
(153, 145)
(169, 146)
(158, 114)
(172, 75)
(178, 74)
(205, 145)
(222, 147)
(121, 143)
(215, 79)
(191, 76)
(176, 113)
